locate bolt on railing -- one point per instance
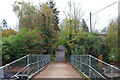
(94, 68)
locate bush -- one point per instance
(84, 43)
(25, 42)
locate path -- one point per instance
(60, 56)
(58, 70)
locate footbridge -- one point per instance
(31, 66)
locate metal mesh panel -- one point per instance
(94, 68)
(16, 67)
(24, 66)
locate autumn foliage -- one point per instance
(38, 31)
(8, 32)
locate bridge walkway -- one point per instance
(58, 69)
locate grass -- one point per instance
(53, 57)
(83, 75)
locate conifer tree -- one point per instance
(52, 4)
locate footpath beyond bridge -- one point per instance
(58, 70)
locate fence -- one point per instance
(24, 67)
(94, 68)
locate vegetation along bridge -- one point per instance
(32, 67)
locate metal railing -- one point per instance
(24, 67)
(94, 68)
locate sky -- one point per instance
(102, 18)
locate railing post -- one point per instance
(43, 60)
(81, 63)
(89, 65)
(47, 59)
(111, 73)
(28, 63)
(2, 73)
(38, 62)
(71, 59)
(76, 61)
(6, 69)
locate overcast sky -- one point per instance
(102, 18)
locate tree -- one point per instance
(112, 37)
(73, 24)
(84, 25)
(52, 4)
(4, 22)
(43, 18)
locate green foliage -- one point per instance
(21, 44)
(112, 40)
(43, 18)
(53, 56)
(86, 78)
(81, 42)
(38, 31)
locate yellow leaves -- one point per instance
(16, 7)
(111, 35)
(51, 24)
(8, 32)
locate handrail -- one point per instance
(20, 71)
(91, 68)
(87, 60)
(42, 58)
(97, 72)
(105, 63)
(27, 66)
(14, 61)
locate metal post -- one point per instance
(47, 59)
(90, 22)
(80, 63)
(89, 65)
(111, 73)
(71, 59)
(6, 69)
(38, 62)
(77, 61)
(28, 63)
(2, 73)
(44, 60)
